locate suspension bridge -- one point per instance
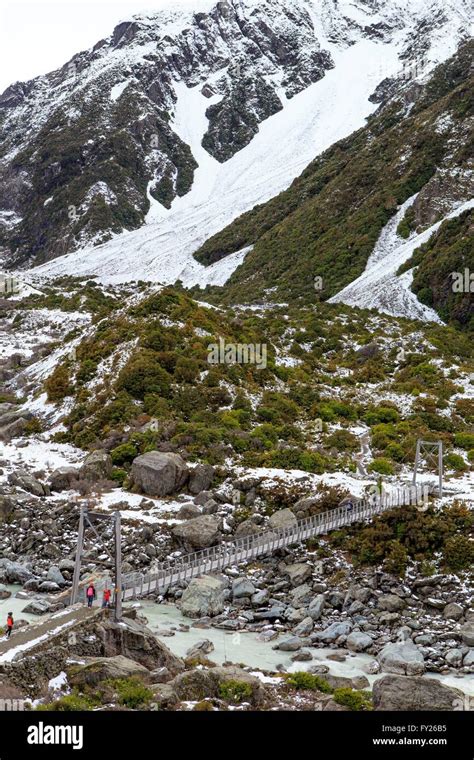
(215, 559)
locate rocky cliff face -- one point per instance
(86, 149)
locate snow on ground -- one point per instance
(310, 122)
(37, 455)
(378, 287)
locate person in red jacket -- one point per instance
(90, 594)
(106, 598)
(9, 624)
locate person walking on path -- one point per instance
(9, 624)
(90, 593)
(106, 598)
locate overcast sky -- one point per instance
(37, 37)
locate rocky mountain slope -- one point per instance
(382, 192)
(105, 141)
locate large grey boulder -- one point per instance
(37, 607)
(63, 478)
(417, 694)
(242, 587)
(55, 575)
(202, 683)
(159, 473)
(96, 466)
(289, 644)
(188, 512)
(283, 518)
(467, 633)
(358, 641)
(97, 669)
(204, 597)
(198, 533)
(135, 641)
(200, 478)
(390, 603)
(13, 572)
(316, 607)
(297, 573)
(332, 632)
(403, 658)
(27, 482)
(13, 430)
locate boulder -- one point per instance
(304, 628)
(164, 696)
(200, 478)
(159, 474)
(242, 587)
(332, 632)
(202, 647)
(289, 644)
(454, 657)
(402, 658)
(200, 684)
(96, 466)
(390, 603)
(414, 694)
(453, 611)
(136, 642)
(99, 669)
(468, 660)
(358, 641)
(298, 573)
(204, 597)
(27, 482)
(4, 592)
(13, 430)
(210, 507)
(188, 512)
(467, 634)
(283, 518)
(316, 606)
(198, 533)
(343, 682)
(13, 572)
(37, 607)
(247, 528)
(55, 576)
(63, 478)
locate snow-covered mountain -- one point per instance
(179, 122)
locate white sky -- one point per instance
(37, 37)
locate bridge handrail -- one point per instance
(234, 551)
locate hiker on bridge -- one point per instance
(106, 597)
(9, 624)
(90, 594)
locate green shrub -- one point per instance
(381, 465)
(303, 680)
(355, 700)
(464, 440)
(74, 702)
(118, 475)
(235, 692)
(455, 462)
(58, 385)
(132, 692)
(458, 553)
(124, 453)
